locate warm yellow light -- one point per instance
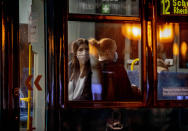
(183, 48)
(166, 33)
(131, 31)
(128, 30)
(176, 29)
(135, 31)
(3, 34)
(175, 49)
(149, 35)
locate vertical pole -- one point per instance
(29, 91)
(154, 42)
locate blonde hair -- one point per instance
(93, 47)
(107, 45)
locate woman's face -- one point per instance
(83, 53)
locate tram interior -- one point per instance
(172, 62)
(172, 68)
(128, 44)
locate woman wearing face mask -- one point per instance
(80, 75)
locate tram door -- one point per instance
(32, 65)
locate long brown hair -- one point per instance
(75, 66)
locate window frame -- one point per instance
(105, 18)
(164, 19)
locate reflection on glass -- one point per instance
(166, 33)
(172, 61)
(32, 62)
(100, 61)
(105, 7)
(131, 31)
(183, 49)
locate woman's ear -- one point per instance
(115, 57)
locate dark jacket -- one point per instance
(115, 82)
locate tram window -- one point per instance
(105, 7)
(100, 68)
(172, 61)
(32, 64)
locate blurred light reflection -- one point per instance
(183, 49)
(131, 31)
(166, 33)
(175, 49)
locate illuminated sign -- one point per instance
(174, 7)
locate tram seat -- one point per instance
(171, 79)
(134, 77)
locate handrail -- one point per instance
(132, 64)
(28, 99)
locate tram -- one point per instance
(94, 65)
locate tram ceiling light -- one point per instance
(3, 34)
(149, 35)
(131, 31)
(183, 48)
(166, 33)
(175, 49)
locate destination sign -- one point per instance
(174, 7)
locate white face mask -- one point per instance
(83, 56)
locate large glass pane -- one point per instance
(105, 7)
(104, 61)
(172, 61)
(32, 65)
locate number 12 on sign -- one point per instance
(166, 6)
